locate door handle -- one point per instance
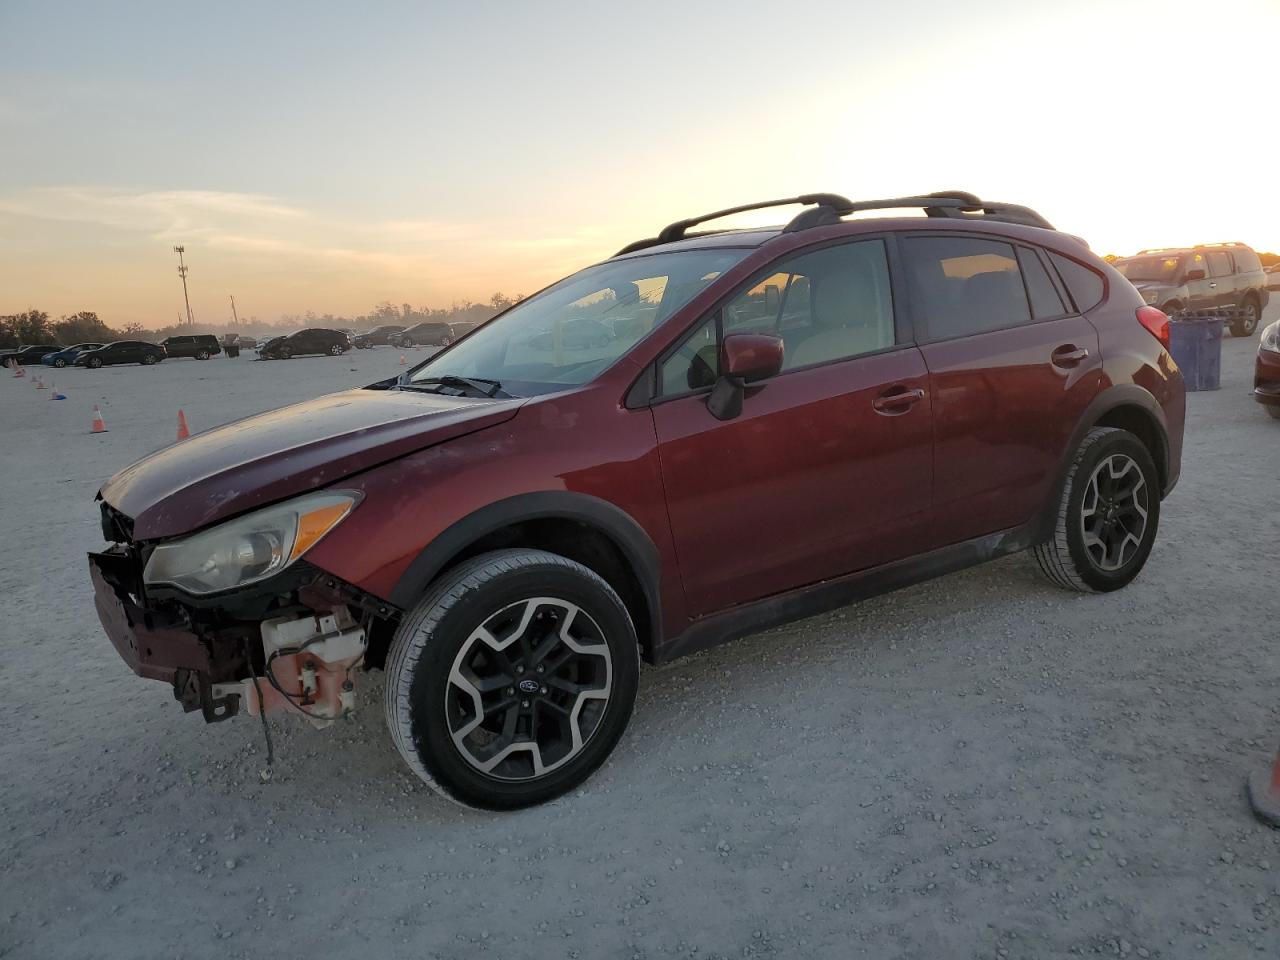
(897, 400)
(1068, 355)
(1213, 286)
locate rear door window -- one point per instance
(964, 285)
(1219, 263)
(1046, 304)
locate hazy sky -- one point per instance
(325, 156)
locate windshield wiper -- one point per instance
(486, 388)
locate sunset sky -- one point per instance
(326, 156)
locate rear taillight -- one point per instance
(1156, 322)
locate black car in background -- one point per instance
(377, 337)
(121, 351)
(202, 346)
(28, 354)
(312, 340)
(430, 334)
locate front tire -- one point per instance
(94, 363)
(335, 350)
(1107, 516)
(1247, 320)
(512, 680)
(148, 360)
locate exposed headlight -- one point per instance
(1271, 337)
(249, 548)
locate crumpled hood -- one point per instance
(271, 456)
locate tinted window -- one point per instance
(1083, 284)
(1045, 302)
(1219, 263)
(831, 304)
(694, 365)
(964, 286)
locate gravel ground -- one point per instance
(981, 766)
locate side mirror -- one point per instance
(751, 356)
(744, 358)
(1192, 275)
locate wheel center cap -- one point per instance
(527, 686)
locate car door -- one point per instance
(827, 468)
(1222, 282)
(1012, 366)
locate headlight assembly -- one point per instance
(1271, 337)
(249, 548)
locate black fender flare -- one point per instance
(1113, 397)
(606, 518)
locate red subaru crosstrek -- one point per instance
(763, 425)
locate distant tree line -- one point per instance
(35, 326)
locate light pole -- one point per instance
(234, 316)
(182, 272)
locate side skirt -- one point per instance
(827, 595)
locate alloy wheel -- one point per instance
(1113, 515)
(528, 688)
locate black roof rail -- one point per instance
(954, 204)
(828, 208)
(678, 230)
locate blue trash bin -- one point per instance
(1196, 345)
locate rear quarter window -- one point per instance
(1083, 283)
(1246, 261)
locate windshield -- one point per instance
(572, 331)
(1160, 269)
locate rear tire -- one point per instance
(93, 363)
(60, 363)
(202, 355)
(1247, 321)
(504, 618)
(1107, 516)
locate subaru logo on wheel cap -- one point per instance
(528, 686)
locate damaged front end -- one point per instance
(291, 642)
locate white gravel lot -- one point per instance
(981, 766)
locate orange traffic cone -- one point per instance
(99, 425)
(40, 384)
(1264, 794)
(402, 360)
(183, 432)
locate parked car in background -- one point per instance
(1214, 278)
(26, 355)
(506, 531)
(429, 334)
(200, 346)
(68, 355)
(576, 333)
(310, 341)
(121, 351)
(1266, 371)
(1273, 276)
(377, 337)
